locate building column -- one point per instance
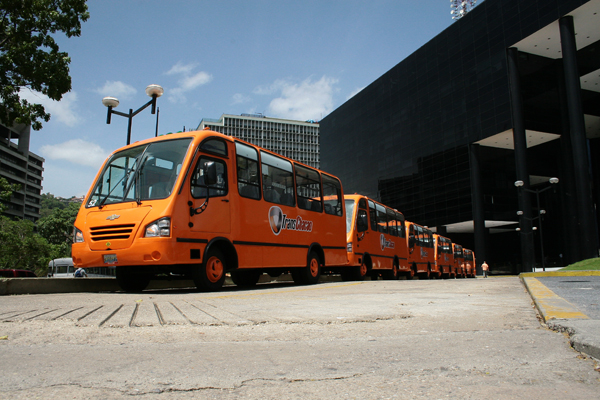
(586, 229)
(478, 206)
(566, 187)
(520, 143)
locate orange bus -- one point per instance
(444, 258)
(200, 204)
(459, 260)
(421, 251)
(376, 240)
(470, 269)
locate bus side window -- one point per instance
(277, 179)
(381, 220)
(332, 193)
(392, 223)
(411, 236)
(373, 215)
(247, 171)
(308, 189)
(198, 187)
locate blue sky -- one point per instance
(285, 59)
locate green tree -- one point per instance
(49, 203)
(6, 190)
(22, 248)
(57, 228)
(30, 57)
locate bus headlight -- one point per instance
(77, 236)
(349, 247)
(159, 228)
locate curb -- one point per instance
(558, 273)
(562, 316)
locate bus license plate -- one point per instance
(110, 258)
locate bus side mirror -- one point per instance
(209, 172)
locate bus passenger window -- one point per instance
(381, 219)
(247, 171)
(198, 187)
(277, 179)
(308, 189)
(392, 223)
(332, 193)
(373, 216)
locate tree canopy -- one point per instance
(25, 245)
(30, 58)
(6, 190)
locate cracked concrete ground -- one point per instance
(458, 339)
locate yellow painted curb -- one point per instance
(548, 303)
(559, 273)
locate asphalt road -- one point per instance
(457, 339)
(581, 291)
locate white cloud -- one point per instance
(303, 101)
(180, 68)
(62, 111)
(239, 98)
(117, 89)
(187, 81)
(77, 151)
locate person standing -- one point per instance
(485, 269)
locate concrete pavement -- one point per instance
(456, 339)
(569, 302)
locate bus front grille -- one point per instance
(111, 232)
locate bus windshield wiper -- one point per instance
(138, 161)
(125, 178)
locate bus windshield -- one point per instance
(140, 173)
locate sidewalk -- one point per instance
(566, 316)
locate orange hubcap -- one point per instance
(214, 269)
(314, 267)
(363, 270)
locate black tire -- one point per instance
(210, 275)
(391, 275)
(245, 278)
(310, 274)
(358, 273)
(131, 282)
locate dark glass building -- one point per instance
(468, 130)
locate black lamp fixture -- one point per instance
(153, 91)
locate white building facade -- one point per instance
(298, 140)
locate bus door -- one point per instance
(210, 213)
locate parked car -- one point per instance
(17, 273)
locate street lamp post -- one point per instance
(154, 91)
(519, 185)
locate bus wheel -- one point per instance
(211, 274)
(245, 278)
(355, 273)
(310, 274)
(391, 275)
(131, 282)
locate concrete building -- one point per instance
(508, 93)
(20, 166)
(294, 139)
